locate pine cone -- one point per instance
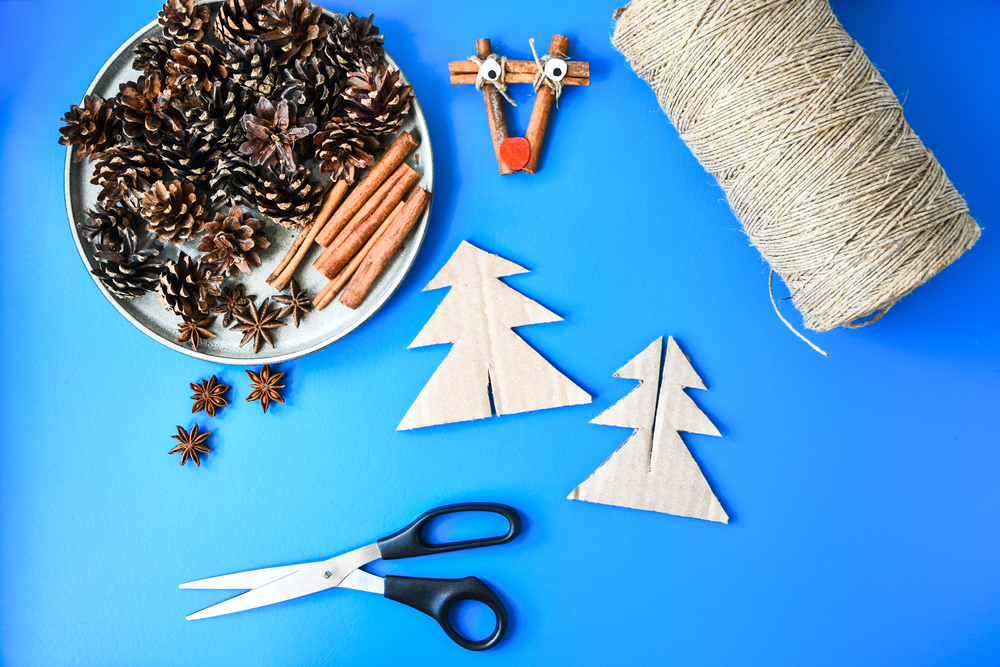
(128, 268)
(92, 128)
(254, 67)
(183, 20)
(341, 148)
(295, 27)
(232, 241)
(147, 113)
(354, 42)
(238, 22)
(174, 211)
(105, 226)
(291, 200)
(273, 133)
(151, 55)
(313, 85)
(188, 287)
(234, 180)
(377, 101)
(194, 68)
(217, 114)
(125, 173)
(194, 158)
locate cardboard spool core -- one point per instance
(515, 152)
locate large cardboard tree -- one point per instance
(477, 316)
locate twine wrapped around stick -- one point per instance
(809, 144)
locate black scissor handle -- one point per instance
(407, 543)
(435, 598)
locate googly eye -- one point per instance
(555, 69)
(490, 70)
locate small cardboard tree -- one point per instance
(653, 470)
(477, 316)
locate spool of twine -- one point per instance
(809, 144)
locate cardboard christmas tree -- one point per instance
(653, 470)
(477, 316)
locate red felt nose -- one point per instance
(515, 152)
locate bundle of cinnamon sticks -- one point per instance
(361, 231)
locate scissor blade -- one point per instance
(360, 580)
(310, 579)
(244, 581)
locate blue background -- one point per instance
(863, 488)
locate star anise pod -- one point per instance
(295, 303)
(256, 325)
(265, 387)
(208, 395)
(232, 302)
(192, 331)
(192, 444)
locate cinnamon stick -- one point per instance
(518, 77)
(378, 258)
(494, 109)
(339, 253)
(325, 295)
(303, 241)
(543, 108)
(520, 71)
(387, 164)
(373, 202)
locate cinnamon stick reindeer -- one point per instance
(492, 74)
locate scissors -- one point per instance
(433, 597)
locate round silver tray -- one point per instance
(317, 328)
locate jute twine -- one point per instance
(809, 144)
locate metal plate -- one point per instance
(317, 328)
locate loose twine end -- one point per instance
(770, 289)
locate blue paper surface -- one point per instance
(862, 488)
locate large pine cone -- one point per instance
(105, 226)
(174, 211)
(232, 242)
(295, 27)
(255, 67)
(238, 22)
(194, 158)
(151, 55)
(341, 148)
(354, 42)
(313, 85)
(188, 287)
(183, 20)
(273, 133)
(216, 117)
(146, 111)
(376, 100)
(125, 173)
(194, 68)
(234, 180)
(291, 200)
(129, 268)
(92, 128)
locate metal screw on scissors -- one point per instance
(433, 597)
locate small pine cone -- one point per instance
(255, 67)
(238, 22)
(295, 27)
(105, 226)
(151, 55)
(193, 159)
(92, 128)
(188, 287)
(291, 200)
(232, 242)
(147, 113)
(183, 20)
(125, 173)
(174, 211)
(194, 68)
(313, 84)
(341, 148)
(273, 133)
(377, 100)
(234, 180)
(354, 42)
(215, 118)
(129, 268)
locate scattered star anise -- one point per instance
(192, 444)
(256, 325)
(208, 395)
(265, 387)
(233, 302)
(192, 331)
(295, 303)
